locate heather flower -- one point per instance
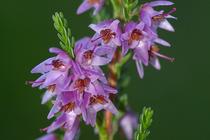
(88, 4)
(66, 103)
(86, 104)
(71, 132)
(153, 55)
(92, 95)
(68, 106)
(139, 38)
(85, 83)
(96, 104)
(107, 33)
(135, 37)
(155, 19)
(68, 121)
(91, 54)
(129, 123)
(86, 86)
(54, 74)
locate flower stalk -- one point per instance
(112, 79)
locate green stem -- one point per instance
(102, 132)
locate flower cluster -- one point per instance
(141, 37)
(78, 87)
(76, 84)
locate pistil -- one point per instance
(161, 17)
(155, 51)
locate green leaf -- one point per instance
(145, 122)
(128, 7)
(64, 33)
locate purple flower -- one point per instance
(154, 18)
(87, 93)
(153, 55)
(129, 123)
(48, 137)
(139, 38)
(87, 105)
(91, 54)
(88, 4)
(54, 74)
(96, 104)
(66, 103)
(92, 95)
(68, 121)
(72, 131)
(85, 96)
(69, 108)
(89, 84)
(135, 38)
(90, 92)
(107, 33)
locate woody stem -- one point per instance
(112, 80)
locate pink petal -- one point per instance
(84, 7)
(166, 25)
(47, 96)
(162, 42)
(140, 68)
(160, 3)
(155, 63)
(43, 67)
(57, 123)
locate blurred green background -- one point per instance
(179, 93)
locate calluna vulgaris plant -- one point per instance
(77, 89)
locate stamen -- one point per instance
(92, 2)
(96, 39)
(170, 12)
(51, 88)
(34, 82)
(159, 18)
(88, 55)
(98, 99)
(135, 35)
(81, 84)
(43, 129)
(57, 64)
(68, 107)
(163, 56)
